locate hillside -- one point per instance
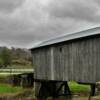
(15, 58)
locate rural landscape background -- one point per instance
(14, 58)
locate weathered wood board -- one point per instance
(77, 60)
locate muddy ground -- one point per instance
(76, 96)
(29, 96)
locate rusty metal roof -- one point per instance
(67, 37)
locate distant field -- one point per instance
(5, 74)
(20, 66)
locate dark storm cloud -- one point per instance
(24, 22)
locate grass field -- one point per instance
(6, 88)
(75, 87)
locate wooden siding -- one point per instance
(41, 62)
(75, 60)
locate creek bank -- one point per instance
(26, 95)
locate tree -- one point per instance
(5, 57)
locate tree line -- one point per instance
(13, 56)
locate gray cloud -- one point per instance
(9, 5)
(79, 10)
(24, 22)
(97, 1)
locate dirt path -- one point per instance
(26, 95)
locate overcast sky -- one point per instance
(25, 22)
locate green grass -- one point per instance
(75, 87)
(6, 88)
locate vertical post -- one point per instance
(44, 90)
(92, 93)
(66, 89)
(93, 89)
(52, 88)
(30, 80)
(52, 63)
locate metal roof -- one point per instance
(67, 37)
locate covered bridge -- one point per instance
(68, 57)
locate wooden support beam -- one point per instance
(92, 93)
(53, 89)
(66, 89)
(93, 86)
